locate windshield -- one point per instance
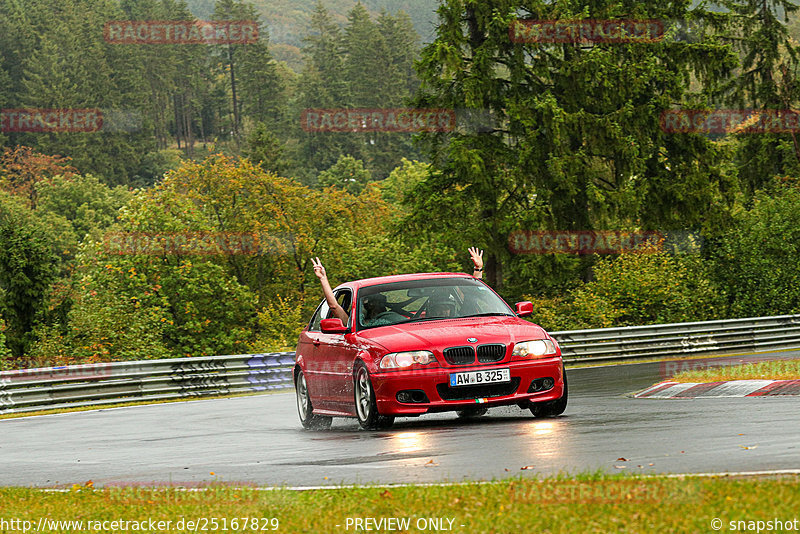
(425, 300)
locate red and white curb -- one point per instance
(730, 388)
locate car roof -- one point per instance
(399, 278)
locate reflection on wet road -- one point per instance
(258, 440)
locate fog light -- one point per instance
(412, 396)
(541, 384)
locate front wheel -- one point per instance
(304, 408)
(366, 406)
(552, 408)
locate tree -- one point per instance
(402, 181)
(348, 174)
(5, 352)
(755, 261)
(83, 200)
(27, 268)
(265, 149)
(569, 135)
(641, 287)
(22, 171)
(767, 79)
(323, 84)
(72, 67)
(255, 83)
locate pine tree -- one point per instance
(569, 137)
(323, 85)
(767, 79)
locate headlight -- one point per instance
(534, 349)
(398, 360)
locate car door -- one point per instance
(327, 355)
(338, 354)
(310, 347)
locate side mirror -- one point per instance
(523, 309)
(334, 325)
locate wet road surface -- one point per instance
(258, 440)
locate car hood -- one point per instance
(440, 334)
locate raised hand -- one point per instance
(477, 257)
(319, 270)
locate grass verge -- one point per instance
(586, 503)
(766, 370)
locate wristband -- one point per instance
(476, 269)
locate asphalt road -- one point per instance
(258, 440)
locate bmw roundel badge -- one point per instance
(472, 339)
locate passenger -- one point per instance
(338, 311)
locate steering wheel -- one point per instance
(419, 311)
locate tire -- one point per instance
(304, 407)
(366, 406)
(471, 413)
(552, 408)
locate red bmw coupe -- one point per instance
(423, 343)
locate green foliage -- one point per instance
(5, 352)
(768, 79)
(369, 65)
(279, 325)
(265, 149)
(755, 261)
(84, 201)
(635, 288)
(348, 174)
(27, 268)
(289, 19)
(401, 182)
(155, 165)
(564, 137)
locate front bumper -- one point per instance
(435, 384)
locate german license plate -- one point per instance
(488, 376)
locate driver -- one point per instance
(374, 305)
(441, 306)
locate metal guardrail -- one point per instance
(754, 334)
(179, 378)
(109, 383)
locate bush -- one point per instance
(633, 289)
(756, 261)
(5, 352)
(279, 325)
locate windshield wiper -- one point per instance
(424, 319)
(487, 314)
